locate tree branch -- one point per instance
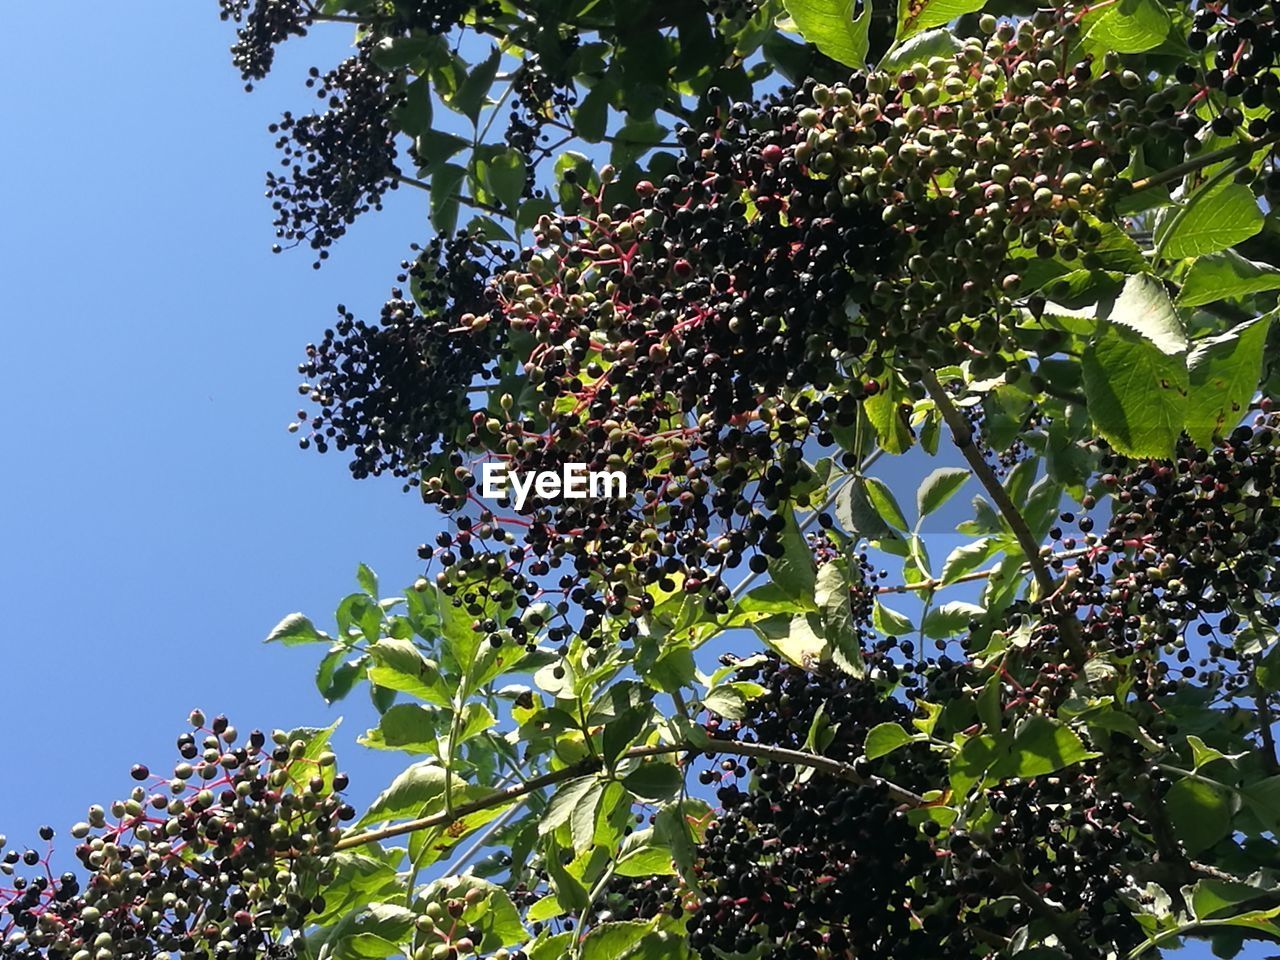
(834, 768)
(1238, 150)
(962, 433)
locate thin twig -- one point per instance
(962, 433)
(1238, 150)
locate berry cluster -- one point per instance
(821, 868)
(218, 861)
(390, 392)
(263, 24)
(542, 99)
(1241, 80)
(338, 163)
(1188, 560)
(879, 218)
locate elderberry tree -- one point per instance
(741, 712)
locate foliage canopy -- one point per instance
(739, 251)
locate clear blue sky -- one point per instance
(155, 518)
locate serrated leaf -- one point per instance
(831, 27)
(885, 412)
(885, 503)
(1137, 392)
(885, 738)
(950, 618)
(890, 622)
(564, 801)
(295, 630)
(917, 15)
(408, 794)
(1130, 26)
(654, 780)
(609, 941)
(967, 558)
(938, 487)
(1144, 307)
(1224, 373)
(1200, 814)
(1041, 746)
(858, 515)
(832, 594)
(920, 48)
(1225, 276)
(1218, 215)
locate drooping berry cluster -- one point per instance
(542, 99)
(1241, 80)
(221, 860)
(263, 25)
(338, 163)
(1188, 560)
(391, 392)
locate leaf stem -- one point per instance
(962, 433)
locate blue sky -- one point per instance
(157, 519)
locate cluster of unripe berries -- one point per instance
(219, 860)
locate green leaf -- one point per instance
(367, 933)
(938, 487)
(368, 580)
(1213, 898)
(399, 666)
(890, 622)
(796, 637)
(858, 515)
(492, 913)
(950, 618)
(642, 855)
(410, 727)
(474, 90)
(654, 780)
(554, 947)
(1130, 26)
(315, 741)
(503, 175)
(831, 27)
(582, 819)
(609, 941)
(1041, 746)
(1263, 799)
(917, 15)
(1144, 307)
(967, 558)
(434, 147)
(834, 603)
(444, 196)
(885, 503)
(408, 794)
(296, 630)
(885, 413)
(1218, 215)
(920, 48)
(885, 738)
(1200, 814)
(1224, 372)
(360, 877)
(794, 571)
(1137, 392)
(1225, 276)
(564, 801)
